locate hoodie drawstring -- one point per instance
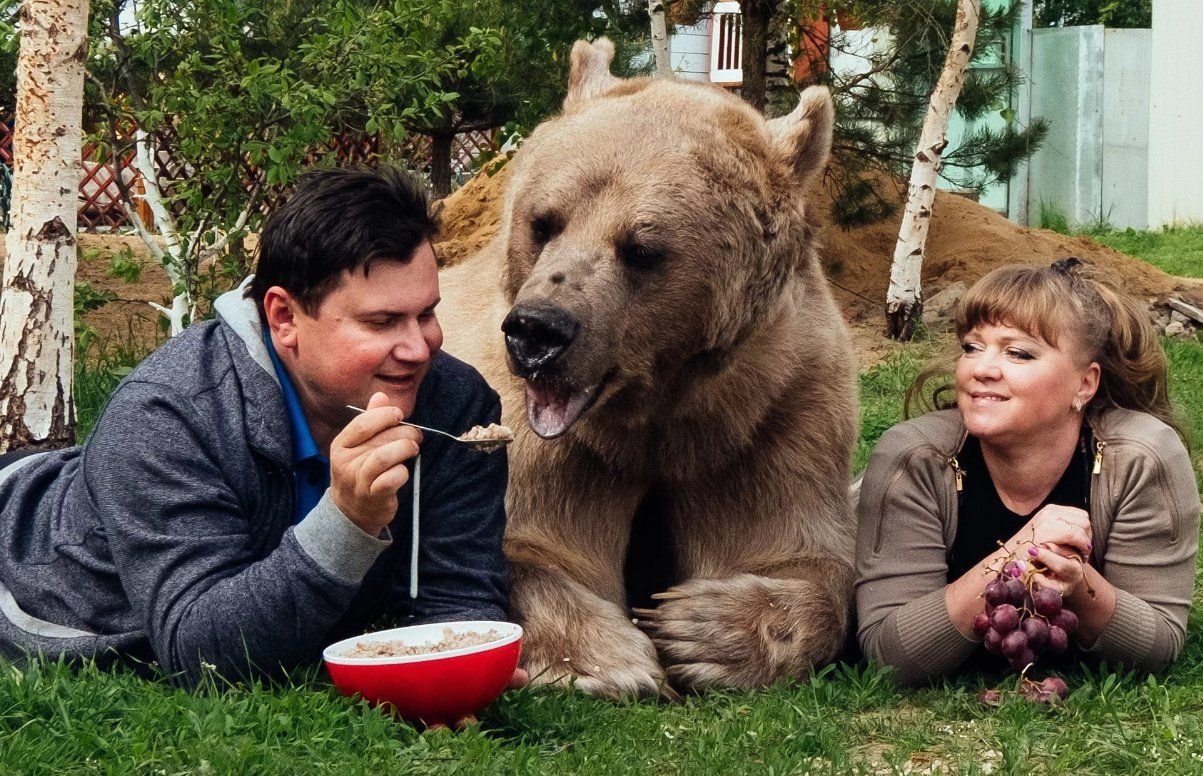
(413, 547)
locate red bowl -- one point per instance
(435, 688)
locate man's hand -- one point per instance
(367, 464)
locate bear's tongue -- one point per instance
(550, 410)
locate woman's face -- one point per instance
(1013, 386)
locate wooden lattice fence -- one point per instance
(6, 143)
(101, 204)
(6, 172)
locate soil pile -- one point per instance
(966, 240)
(471, 216)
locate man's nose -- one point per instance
(411, 344)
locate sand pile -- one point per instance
(966, 241)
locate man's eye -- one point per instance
(379, 323)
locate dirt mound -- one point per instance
(471, 216)
(965, 241)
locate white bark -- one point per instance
(173, 258)
(904, 299)
(37, 303)
(655, 10)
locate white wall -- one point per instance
(689, 51)
(1176, 114)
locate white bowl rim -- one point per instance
(334, 652)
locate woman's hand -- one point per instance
(1061, 542)
(1067, 575)
(1064, 531)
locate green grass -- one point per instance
(848, 719)
(99, 367)
(1178, 251)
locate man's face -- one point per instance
(374, 332)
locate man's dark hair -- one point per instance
(339, 220)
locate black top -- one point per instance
(983, 521)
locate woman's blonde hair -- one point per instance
(1068, 297)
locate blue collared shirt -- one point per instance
(310, 469)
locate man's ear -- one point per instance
(280, 309)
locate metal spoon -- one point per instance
(483, 445)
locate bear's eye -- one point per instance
(640, 256)
(544, 228)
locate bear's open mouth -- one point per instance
(552, 406)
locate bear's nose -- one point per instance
(536, 335)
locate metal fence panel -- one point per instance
(1127, 56)
(1067, 89)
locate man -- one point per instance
(229, 509)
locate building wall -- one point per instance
(689, 51)
(1175, 173)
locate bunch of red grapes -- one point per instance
(1023, 619)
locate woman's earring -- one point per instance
(1077, 405)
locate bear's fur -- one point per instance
(689, 372)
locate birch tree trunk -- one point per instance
(904, 299)
(655, 10)
(37, 303)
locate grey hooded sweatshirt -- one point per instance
(169, 535)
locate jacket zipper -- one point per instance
(1098, 456)
(957, 472)
(897, 475)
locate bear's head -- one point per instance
(648, 230)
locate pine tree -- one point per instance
(880, 113)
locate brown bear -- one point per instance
(654, 305)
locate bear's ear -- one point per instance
(803, 137)
(590, 73)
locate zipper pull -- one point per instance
(1098, 456)
(956, 470)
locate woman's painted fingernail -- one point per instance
(1033, 551)
(1089, 547)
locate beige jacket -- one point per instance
(1144, 512)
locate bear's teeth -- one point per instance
(550, 412)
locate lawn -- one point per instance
(848, 719)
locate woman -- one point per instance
(1060, 447)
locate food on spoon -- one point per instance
(489, 437)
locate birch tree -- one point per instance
(904, 298)
(37, 303)
(655, 10)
